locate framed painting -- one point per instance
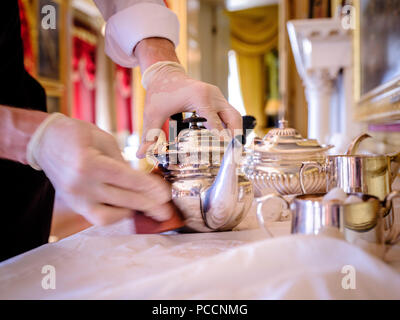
(49, 46)
(52, 51)
(377, 66)
(53, 103)
(319, 9)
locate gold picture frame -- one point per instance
(57, 86)
(381, 103)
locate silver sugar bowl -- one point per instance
(273, 163)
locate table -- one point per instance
(112, 263)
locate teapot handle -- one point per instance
(394, 235)
(260, 217)
(307, 165)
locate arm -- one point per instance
(130, 21)
(146, 33)
(169, 90)
(151, 50)
(84, 165)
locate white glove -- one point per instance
(170, 91)
(88, 172)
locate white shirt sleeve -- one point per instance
(129, 21)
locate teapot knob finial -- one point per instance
(283, 124)
(193, 120)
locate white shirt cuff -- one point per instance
(133, 24)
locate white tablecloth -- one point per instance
(112, 263)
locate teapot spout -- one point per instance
(218, 201)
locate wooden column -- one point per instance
(180, 9)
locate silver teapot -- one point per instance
(206, 179)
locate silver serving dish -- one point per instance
(207, 183)
(273, 163)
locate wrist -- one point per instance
(33, 148)
(151, 50)
(161, 69)
(16, 129)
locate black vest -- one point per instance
(26, 195)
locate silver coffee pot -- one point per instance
(207, 183)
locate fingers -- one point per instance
(233, 120)
(135, 190)
(227, 113)
(213, 120)
(118, 174)
(145, 224)
(153, 206)
(110, 146)
(107, 204)
(206, 99)
(151, 131)
(101, 214)
(144, 146)
(160, 213)
(111, 190)
(219, 112)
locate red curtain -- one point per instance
(84, 80)
(29, 59)
(123, 95)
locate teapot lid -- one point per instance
(191, 142)
(287, 140)
(197, 138)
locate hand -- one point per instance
(170, 90)
(88, 172)
(147, 225)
